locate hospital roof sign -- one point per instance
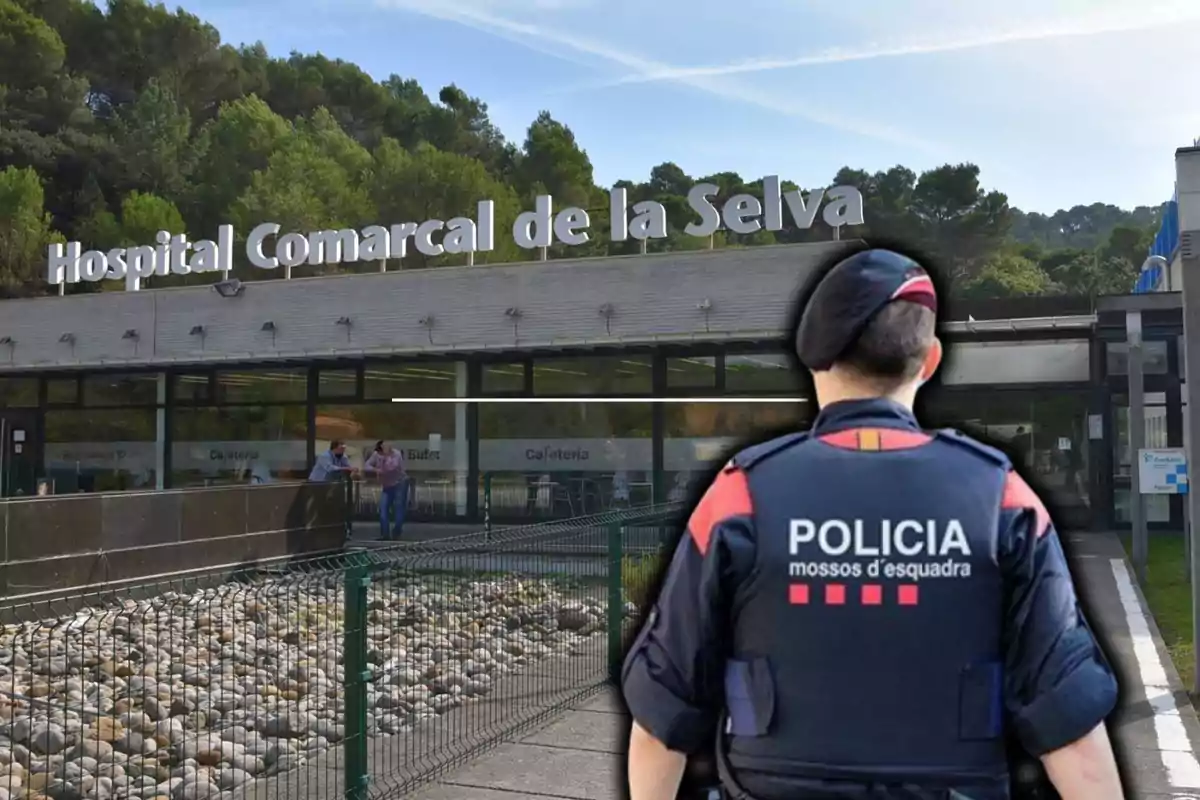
(267, 246)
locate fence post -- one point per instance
(349, 510)
(616, 602)
(487, 506)
(355, 677)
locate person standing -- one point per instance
(869, 609)
(388, 464)
(331, 465)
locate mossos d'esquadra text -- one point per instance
(904, 549)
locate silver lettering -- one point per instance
(802, 532)
(861, 548)
(956, 539)
(903, 527)
(859, 538)
(843, 530)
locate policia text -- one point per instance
(941, 548)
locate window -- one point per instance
(337, 384)
(503, 378)
(18, 392)
(1154, 357)
(1155, 415)
(267, 386)
(991, 363)
(121, 390)
(193, 388)
(699, 436)
(423, 379)
(62, 391)
(699, 372)
(1044, 433)
(593, 376)
(247, 444)
(425, 434)
(101, 450)
(761, 373)
(1157, 507)
(565, 459)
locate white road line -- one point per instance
(1175, 749)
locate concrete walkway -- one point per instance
(579, 755)
(1155, 729)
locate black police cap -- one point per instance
(850, 295)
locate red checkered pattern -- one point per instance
(838, 594)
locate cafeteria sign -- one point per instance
(268, 248)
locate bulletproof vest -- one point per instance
(867, 641)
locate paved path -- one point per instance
(1155, 729)
(579, 755)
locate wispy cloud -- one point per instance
(1095, 24)
(593, 53)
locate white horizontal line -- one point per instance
(524, 400)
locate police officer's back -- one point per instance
(869, 609)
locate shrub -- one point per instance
(639, 577)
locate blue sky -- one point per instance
(1060, 102)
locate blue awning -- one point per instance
(1148, 281)
(1167, 239)
(1166, 242)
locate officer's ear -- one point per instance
(933, 360)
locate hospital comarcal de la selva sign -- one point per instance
(174, 254)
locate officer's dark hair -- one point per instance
(892, 348)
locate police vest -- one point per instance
(867, 641)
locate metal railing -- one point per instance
(363, 674)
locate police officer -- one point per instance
(868, 609)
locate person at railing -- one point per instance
(868, 609)
(388, 463)
(333, 464)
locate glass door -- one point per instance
(1043, 431)
(18, 454)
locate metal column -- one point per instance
(1137, 440)
(1187, 171)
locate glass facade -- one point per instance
(1045, 432)
(601, 443)
(760, 372)
(431, 436)
(555, 459)
(700, 436)
(1154, 357)
(100, 450)
(1157, 435)
(217, 445)
(18, 392)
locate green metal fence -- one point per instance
(364, 674)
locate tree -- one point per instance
(131, 101)
(957, 220)
(1091, 273)
(431, 184)
(25, 232)
(144, 215)
(154, 144)
(237, 145)
(553, 163)
(1128, 244)
(1009, 274)
(307, 185)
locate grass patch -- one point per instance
(1169, 595)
